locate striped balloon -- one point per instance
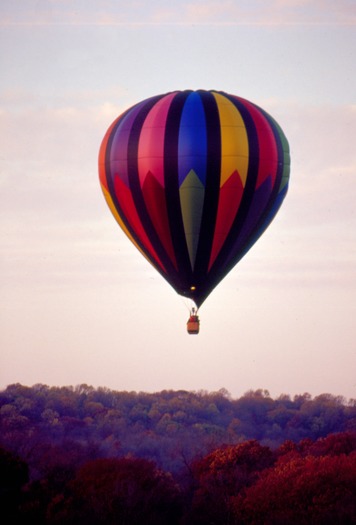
(194, 178)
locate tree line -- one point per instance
(86, 455)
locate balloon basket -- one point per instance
(193, 325)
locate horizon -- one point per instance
(80, 303)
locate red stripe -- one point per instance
(125, 200)
(268, 153)
(155, 200)
(229, 201)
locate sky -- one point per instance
(79, 303)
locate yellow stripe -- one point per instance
(125, 230)
(118, 218)
(234, 141)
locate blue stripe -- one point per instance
(192, 140)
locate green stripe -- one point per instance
(191, 195)
(286, 156)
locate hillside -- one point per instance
(65, 451)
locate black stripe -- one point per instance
(212, 186)
(133, 178)
(136, 190)
(266, 217)
(110, 175)
(171, 180)
(280, 163)
(219, 270)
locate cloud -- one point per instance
(59, 160)
(184, 12)
(57, 230)
(54, 225)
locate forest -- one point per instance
(84, 455)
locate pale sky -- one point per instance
(79, 304)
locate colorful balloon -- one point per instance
(194, 178)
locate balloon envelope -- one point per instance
(194, 178)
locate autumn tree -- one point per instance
(302, 491)
(13, 476)
(221, 475)
(118, 492)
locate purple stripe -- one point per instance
(118, 154)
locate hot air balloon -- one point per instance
(194, 178)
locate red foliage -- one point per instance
(221, 475)
(332, 445)
(118, 491)
(302, 491)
